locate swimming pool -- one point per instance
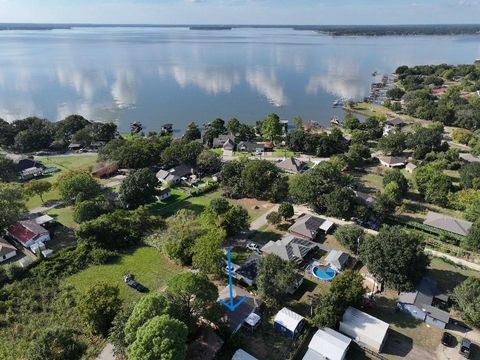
(324, 273)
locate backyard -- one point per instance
(149, 267)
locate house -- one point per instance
(438, 92)
(364, 329)
(44, 220)
(391, 124)
(221, 139)
(327, 344)
(447, 223)
(97, 145)
(164, 194)
(392, 161)
(469, 158)
(337, 260)
(229, 145)
(176, 174)
(419, 303)
(268, 146)
(291, 165)
(75, 146)
(235, 319)
(31, 173)
(247, 146)
(241, 354)
(28, 232)
(290, 248)
(410, 167)
(7, 250)
(308, 227)
(248, 271)
(105, 171)
(288, 323)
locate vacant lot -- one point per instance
(146, 264)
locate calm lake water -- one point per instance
(175, 75)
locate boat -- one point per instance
(136, 127)
(339, 102)
(167, 128)
(336, 121)
(374, 73)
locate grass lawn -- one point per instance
(241, 254)
(448, 275)
(197, 204)
(64, 215)
(266, 233)
(149, 267)
(255, 208)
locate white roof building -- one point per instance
(364, 329)
(288, 319)
(327, 344)
(44, 219)
(242, 355)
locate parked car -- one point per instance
(253, 247)
(130, 281)
(465, 348)
(447, 339)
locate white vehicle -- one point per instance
(252, 246)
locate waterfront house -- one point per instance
(365, 329)
(7, 250)
(288, 323)
(75, 146)
(221, 139)
(291, 165)
(308, 227)
(327, 344)
(28, 232)
(290, 248)
(392, 124)
(248, 271)
(421, 303)
(447, 223)
(365, 198)
(250, 147)
(392, 161)
(176, 174)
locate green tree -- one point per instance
(472, 240)
(274, 218)
(395, 257)
(78, 184)
(432, 183)
(182, 151)
(55, 343)
(395, 93)
(139, 188)
(231, 178)
(117, 336)
(83, 137)
(233, 125)
(393, 144)
(220, 206)
(97, 307)
(396, 176)
(351, 122)
(90, 209)
(262, 180)
(393, 193)
(12, 204)
(8, 171)
(271, 127)
(209, 162)
(151, 305)
(183, 229)
(357, 155)
(235, 220)
(285, 210)
(467, 300)
(350, 236)
(191, 296)
(192, 133)
(160, 338)
(298, 122)
(275, 277)
(339, 202)
(38, 187)
(468, 173)
(208, 253)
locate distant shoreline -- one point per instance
(332, 30)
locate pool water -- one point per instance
(324, 273)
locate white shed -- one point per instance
(364, 329)
(327, 344)
(288, 323)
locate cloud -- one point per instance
(266, 84)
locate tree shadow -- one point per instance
(446, 280)
(398, 344)
(386, 309)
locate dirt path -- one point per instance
(454, 259)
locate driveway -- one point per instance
(107, 353)
(403, 347)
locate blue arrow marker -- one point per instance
(231, 306)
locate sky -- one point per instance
(315, 12)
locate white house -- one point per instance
(28, 232)
(7, 251)
(364, 329)
(327, 344)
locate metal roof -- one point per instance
(288, 319)
(327, 343)
(365, 324)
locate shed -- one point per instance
(364, 329)
(252, 321)
(337, 260)
(44, 219)
(410, 167)
(327, 344)
(105, 171)
(288, 323)
(164, 194)
(241, 354)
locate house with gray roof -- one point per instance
(175, 175)
(308, 227)
(291, 165)
(248, 146)
(221, 139)
(337, 260)
(393, 161)
(447, 223)
(421, 303)
(229, 145)
(469, 158)
(290, 248)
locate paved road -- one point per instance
(304, 158)
(454, 259)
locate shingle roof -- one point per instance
(395, 122)
(447, 223)
(289, 248)
(291, 164)
(337, 258)
(5, 247)
(469, 157)
(307, 226)
(392, 160)
(26, 230)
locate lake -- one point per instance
(177, 75)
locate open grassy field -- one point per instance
(64, 215)
(255, 208)
(148, 266)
